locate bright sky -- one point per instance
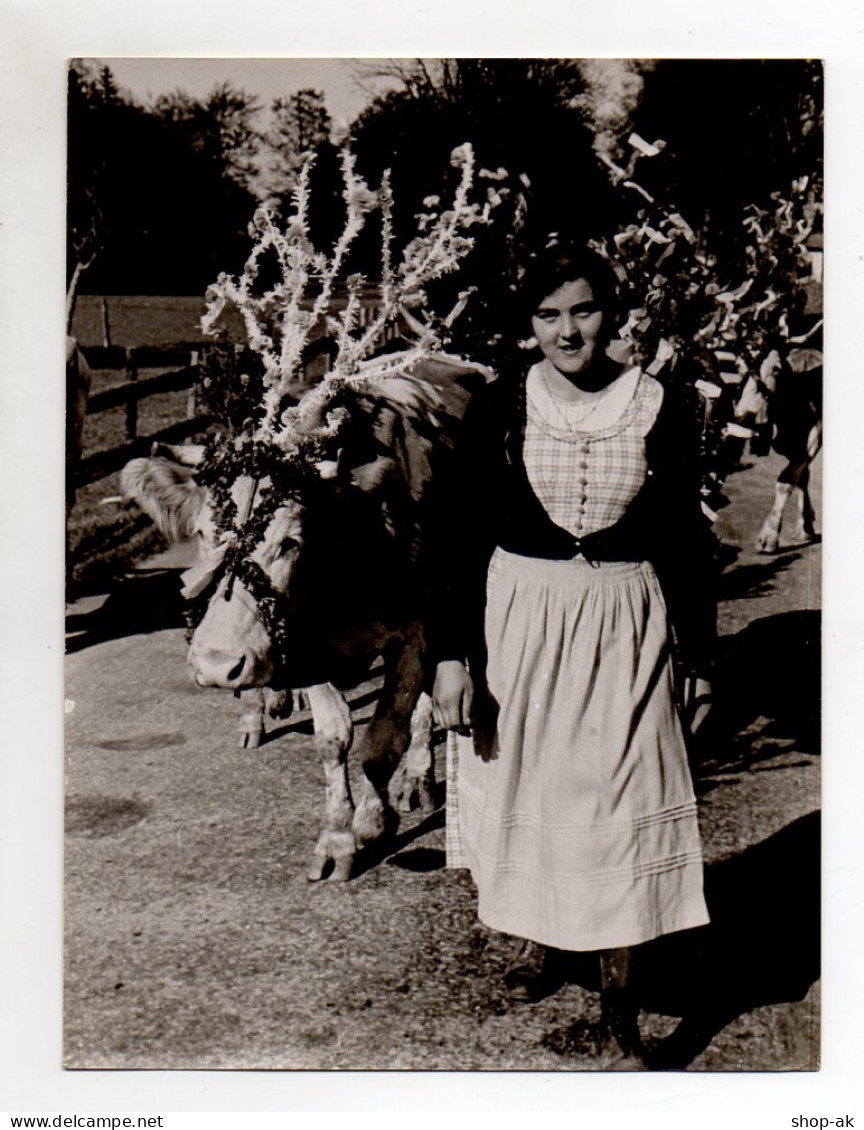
(268, 78)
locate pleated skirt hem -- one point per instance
(577, 817)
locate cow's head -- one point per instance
(306, 553)
(249, 530)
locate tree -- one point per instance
(735, 131)
(532, 146)
(220, 130)
(97, 119)
(518, 115)
(159, 199)
(300, 125)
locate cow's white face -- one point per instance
(232, 646)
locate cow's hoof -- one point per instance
(804, 537)
(409, 790)
(616, 1060)
(408, 793)
(372, 821)
(426, 795)
(767, 543)
(417, 794)
(333, 858)
(251, 739)
(342, 871)
(333, 870)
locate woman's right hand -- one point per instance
(452, 696)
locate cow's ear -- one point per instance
(189, 454)
(166, 492)
(369, 477)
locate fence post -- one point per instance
(106, 333)
(192, 398)
(132, 402)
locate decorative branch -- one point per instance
(280, 321)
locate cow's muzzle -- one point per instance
(230, 670)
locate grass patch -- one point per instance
(106, 539)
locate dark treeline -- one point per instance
(160, 195)
(157, 205)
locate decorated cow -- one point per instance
(312, 508)
(311, 566)
(784, 405)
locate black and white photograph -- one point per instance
(420, 689)
(443, 550)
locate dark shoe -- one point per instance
(619, 1027)
(536, 972)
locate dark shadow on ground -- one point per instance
(761, 948)
(755, 579)
(145, 601)
(392, 848)
(767, 692)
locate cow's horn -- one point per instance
(312, 419)
(189, 454)
(327, 468)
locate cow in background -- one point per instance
(784, 403)
(314, 580)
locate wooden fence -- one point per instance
(183, 374)
(97, 317)
(185, 359)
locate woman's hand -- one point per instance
(452, 696)
(698, 701)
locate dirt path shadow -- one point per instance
(762, 946)
(144, 601)
(767, 695)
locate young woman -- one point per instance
(575, 557)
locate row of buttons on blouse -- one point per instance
(584, 450)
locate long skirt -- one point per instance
(576, 812)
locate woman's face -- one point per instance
(568, 325)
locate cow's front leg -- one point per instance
(334, 730)
(806, 515)
(251, 723)
(805, 529)
(768, 537)
(414, 780)
(256, 703)
(387, 737)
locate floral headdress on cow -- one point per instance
(281, 319)
(288, 429)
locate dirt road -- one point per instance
(194, 940)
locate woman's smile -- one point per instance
(568, 325)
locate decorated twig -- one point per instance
(281, 320)
(682, 318)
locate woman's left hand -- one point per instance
(698, 701)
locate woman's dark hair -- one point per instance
(559, 263)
